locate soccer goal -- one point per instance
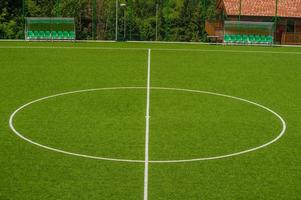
(57, 29)
(246, 32)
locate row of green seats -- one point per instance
(51, 35)
(248, 39)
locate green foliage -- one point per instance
(7, 26)
(177, 20)
(33, 9)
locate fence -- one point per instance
(291, 38)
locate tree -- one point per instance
(7, 26)
(178, 20)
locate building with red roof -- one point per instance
(285, 13)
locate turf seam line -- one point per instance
(146, 161)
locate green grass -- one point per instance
(183, 125)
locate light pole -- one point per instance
(124, 20)
(24, 18)
(157, 8)
(239, 10)
(94, 18)
(116, 23)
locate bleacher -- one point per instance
(248, 39)
(50, 35)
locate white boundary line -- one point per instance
(233, 154)
(157, 42)
(59, 150)
(147, 116)
(211, 43)
(75, 48)
(229, 51)
(154, 49)
(282, 132)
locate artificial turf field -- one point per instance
(183, 124)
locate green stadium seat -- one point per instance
(41, 35)
(270, 39)
(227, 38)
(245, 39)
(238, 38)
(72, 35)
(30, 35)
(252, 39)
(257, 39)
(60, 35)
(47, 35)
(263, 39)
(233, 38)
(36, 34)
(54, 35)
(48, 28)
(66, 35)
(248, 39)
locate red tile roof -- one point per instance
(286, 8)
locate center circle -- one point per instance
(161, 89)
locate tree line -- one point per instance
(163, 20)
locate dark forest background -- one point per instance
(177, 20)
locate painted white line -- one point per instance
(147, 116)
(158, 42)
(11, 125)
(211, 43)
(75, 48)
(153, 49)
(278, 116)
(229, 51)
(283, 123)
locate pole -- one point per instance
(24, 20)
(276, 20)
(276, 11)
(130, 20)
(203, 16)
(94, 20)
(124, 23)
(157, 8)
(116, 24)
(239, 10)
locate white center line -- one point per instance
(146, 161)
